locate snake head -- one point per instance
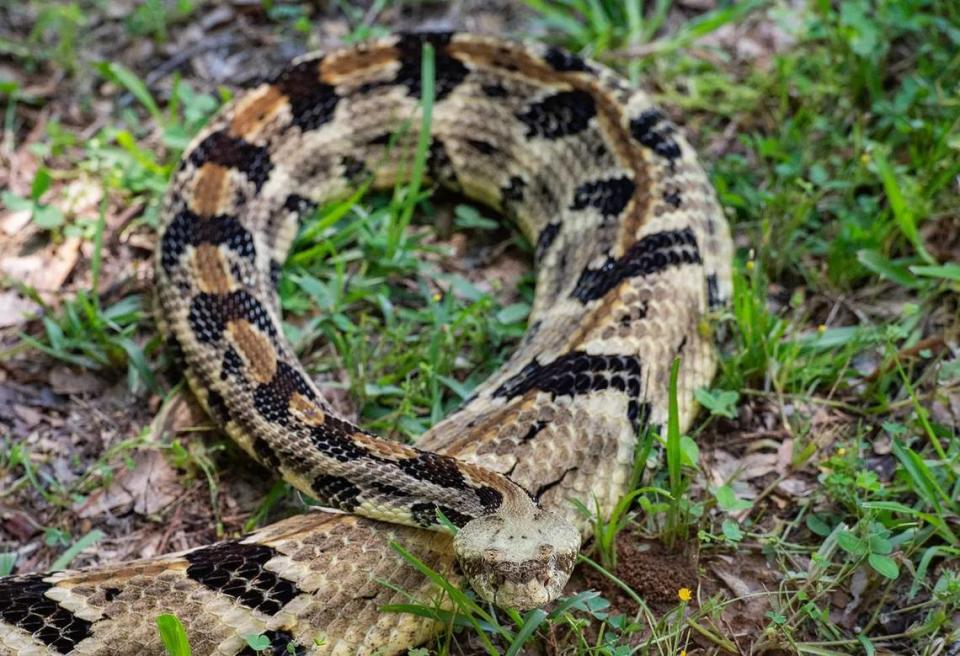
(520, 561)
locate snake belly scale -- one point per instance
(632, 254)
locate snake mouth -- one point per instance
(532, 583)
(521, 585)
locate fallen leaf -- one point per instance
(748, 577)
(794, 487)
(19, 524)
(15, 309)
(46, 270)
(64, 380)
(784, 456)
(737, 584)
(858, 585)
(14, 222)
(28, 415)
(756, 465)
(150, 486)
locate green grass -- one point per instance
(837, 161)
(173, 636)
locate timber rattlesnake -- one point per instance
(632, 251)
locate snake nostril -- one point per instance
(493, 555)
(545, 550)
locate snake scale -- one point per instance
(632, 253)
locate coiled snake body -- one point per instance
(632, 251)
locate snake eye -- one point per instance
(493, 555)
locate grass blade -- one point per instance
(427, 95)
(173, 636)
(67, 556)
(531, 622)
(926, 485)
(902, 210)
(117, 72)
(471, 609)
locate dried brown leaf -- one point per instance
(150, 486)
(64, 380)
(15, 310)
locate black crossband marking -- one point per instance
(511, 194)
(546, 239)
(337, 492)
(564, 61)
(233, 152)
(652, 254)
(24, 604)
(237, 569)
(312, 102)
(425, 514)
(575, 373)
(609, 196)
(189, 229)
(449, 71)
(210, 314)
(560, 115)
(653, 130)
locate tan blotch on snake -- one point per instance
(632, 253)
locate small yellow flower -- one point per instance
(822, 328)
(684, 594)
(841, 452)
(683, 652)
(865, 158)
(437, 297)
(750, 265)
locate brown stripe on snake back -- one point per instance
(256, 349)
(213, 277)
(385, 450)
(632, 252)
(306, 410)
(210, 189)
(256, 111)
(340, 67)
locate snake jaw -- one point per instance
(520, 562)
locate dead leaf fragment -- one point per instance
(15, 309)
(47, 270)
(18, 524)
(794, 487)
(756, 465)
(148, 488)
(64, 380)
(30, 416)
(14, 221)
